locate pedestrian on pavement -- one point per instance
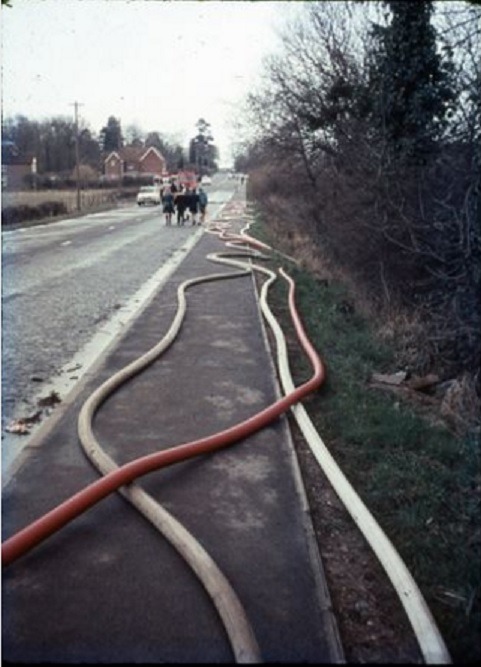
(168, 204)
(180, 205)
(193, 204)
(203, 201)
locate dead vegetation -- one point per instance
(365, 185)
(431, 330)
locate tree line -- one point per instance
(365, 135)
(52, 142)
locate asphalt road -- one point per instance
(67, 289)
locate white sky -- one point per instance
(158, 64)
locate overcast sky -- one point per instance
(158, 64)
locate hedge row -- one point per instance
(24, 212)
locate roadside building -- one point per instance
(136, 162)
(17, 168)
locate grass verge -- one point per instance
(421, 482)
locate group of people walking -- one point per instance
(187, 203)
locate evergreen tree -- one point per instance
(201, 151)
(412, 83)
(89, 148)
(111, 138)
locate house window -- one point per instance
(112, 163)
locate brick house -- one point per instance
(16, 167)
(134, 161)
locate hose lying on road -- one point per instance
(429, 638)
(230, 609)
(237, 626)
(43, 527)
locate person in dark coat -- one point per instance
(193, 204)
(168, 204)
(203, 201)
(180, 205)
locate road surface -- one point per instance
(70, 287)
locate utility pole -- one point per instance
(77, 155)
(34, 173)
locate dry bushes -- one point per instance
(461, 404)
(409, 235)
(401, 226)
(404, 244)
(406, 330)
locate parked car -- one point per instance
(148, 194)
(206, 180)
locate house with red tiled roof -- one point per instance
(134, 161)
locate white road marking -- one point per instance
(14, 447)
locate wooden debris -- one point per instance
(393, 379)
(423, 383)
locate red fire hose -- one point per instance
(27, 538)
